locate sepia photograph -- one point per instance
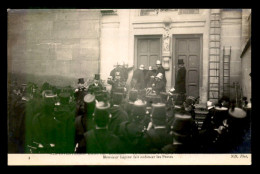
(129, 86)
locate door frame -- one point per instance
(136, 37)
(175, 62)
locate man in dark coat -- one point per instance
(85, 122)
(44, 124)
(79, 94)
(180, 83)
(118, 114)
(157, 135)
(160, 69)
(159, 85)
(126, 70)
(64, 121)
(118, 68)
(138, 80)
(96, 86)
(100, 140)
(149, 77)
(131, 132)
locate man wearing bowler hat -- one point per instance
(118, 114)
(182, 129)
(85, 122)
(157, 136)
(131, 132)
(99, 139)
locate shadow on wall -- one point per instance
(40, 79)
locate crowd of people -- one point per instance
(144, 119)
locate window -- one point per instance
(149, 12)
(188, 11)
(232, 9)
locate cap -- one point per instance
(141, 67)
(158, 62)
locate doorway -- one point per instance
(188, 48)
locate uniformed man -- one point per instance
(118, 68)
(96, 86)
(157, 135)
(160, 69)
(131, 132)
(149, 77)
(138, 80)
(100, 140)
(118, 85)
(159, 85)
(118, 114)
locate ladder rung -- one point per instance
(214, 27)
(213, 62)
(213, 83)
(214, 47)
(214, 40)
(214, 54)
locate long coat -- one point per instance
(138, 79)
(180, 83)
(155, 139)
(100, 141)
(118, 116)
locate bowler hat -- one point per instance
(158, 111)
(180, 61)
(81, 81)
(182, 124)
(101, 114)
(139, 108)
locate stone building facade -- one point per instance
(79, 43)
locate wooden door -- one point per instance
(148, 51)
(188, 49)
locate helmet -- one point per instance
(158, 62)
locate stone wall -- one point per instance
(58, 46)
(231, 36)
(246, 54)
